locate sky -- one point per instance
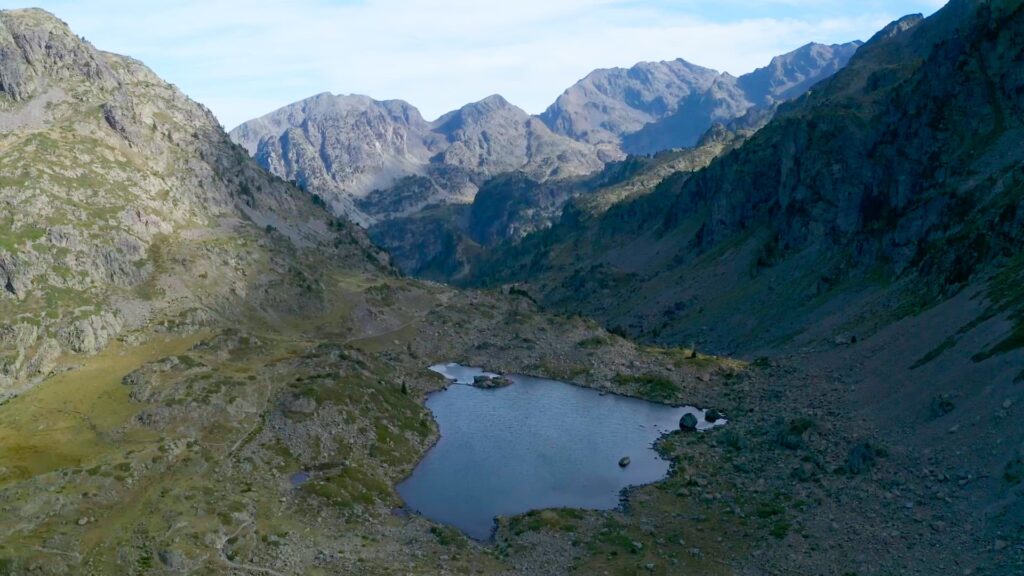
(245, 58)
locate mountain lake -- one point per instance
(534, 444)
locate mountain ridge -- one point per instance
(343, 152)
(322, 142)
(669, 104)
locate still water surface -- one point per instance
(534, 444)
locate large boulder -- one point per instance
(688, 423)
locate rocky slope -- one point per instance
(872, 230)
(442, 243)
(656, 106)
(894, 165)
(114, 184)
(352, 151)
(439, 242)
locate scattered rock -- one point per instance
(712, 416)
(942, 405)
(491, 382)
(805, 472)
(302, 405)
(173, 560)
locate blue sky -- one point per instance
(244, 58)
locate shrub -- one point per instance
(593, 342)
(942, 405)
(1014, 472)
(862, 457)
(793, 434)
(732, 440)
(651, 385)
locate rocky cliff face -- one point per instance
(341, 147)
(608, 104)
(345, 148)
(660, 105)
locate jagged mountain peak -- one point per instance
(906, 161)
(347, 147)
(897, 27)
(494, 101)
(38, 49)
(485, 110)
(792, 74)
(357, 102)
(670, 104)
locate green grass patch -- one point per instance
(447, 536)
(593, 343)
(1007, 295)
(43, 429)
(652, 386)
(934, 353)
(1012, 342)
(351, 487)
(560, 520)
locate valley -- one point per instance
(215, 348)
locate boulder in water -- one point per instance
(688, 423)
(489, 382)
(624, 462)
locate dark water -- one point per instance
(535, 444)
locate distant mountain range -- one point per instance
(346, 147)
(655, 106)
(377, 160)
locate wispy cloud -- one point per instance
(244, 58)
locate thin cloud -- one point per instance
(245, 58)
